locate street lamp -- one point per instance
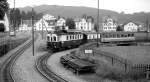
(97, 23)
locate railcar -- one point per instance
(117, 37)
(142, 36)
(62, 40)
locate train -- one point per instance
(59, 40)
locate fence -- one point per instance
(133, 70)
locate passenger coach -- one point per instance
(117, 37)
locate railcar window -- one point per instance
(98, 35)
(106, 36)
(89, 37)
(95, 35)
(70, 37)
(114, 35)
(76, 37)
(128, 35)
(51, 39)
(110, 35)
(118, 35)
(54, 38)
(132, 35)
(80, 36)
(67, 37)
(48, 38)
(122, 35)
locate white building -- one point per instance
(5, 22)
(84, 24)
(48, 23)
(109, 24)
(26, 25)
(61, 22)
(131, 26)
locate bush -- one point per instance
(2, 27)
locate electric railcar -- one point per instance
(63, 40)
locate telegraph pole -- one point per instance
(42, 27)
(14, 18)
(32, 32)
(97, 23)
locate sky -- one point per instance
(127, 6)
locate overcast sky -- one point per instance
(128, 6)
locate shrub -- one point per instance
(2, 27)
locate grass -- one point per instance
(135, 54)
(4, 49)
(3, 34)
(105, 69)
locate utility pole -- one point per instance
(147, 24)
(14, 22)
(97, 23)
(32, 32)
(42, 27)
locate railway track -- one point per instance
(6, 68)
(42, 68)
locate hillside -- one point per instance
(72, 11)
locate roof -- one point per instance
(51, 22)
(87, 19)
(132, 22)
(64, 32)
(109, 17)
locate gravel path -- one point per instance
(24, 70)
(55, 66)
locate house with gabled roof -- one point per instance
(131, 26)
(47, 22)
(84, 24)
(109, 24)
(5, 22)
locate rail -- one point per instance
(43, 69)
(6, 68)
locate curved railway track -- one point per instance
(42, 68)
(6, 68)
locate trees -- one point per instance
(119, 28)
(2, 29)
(3, 8)
(15, 17)
(70, 23)
(96, 27)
